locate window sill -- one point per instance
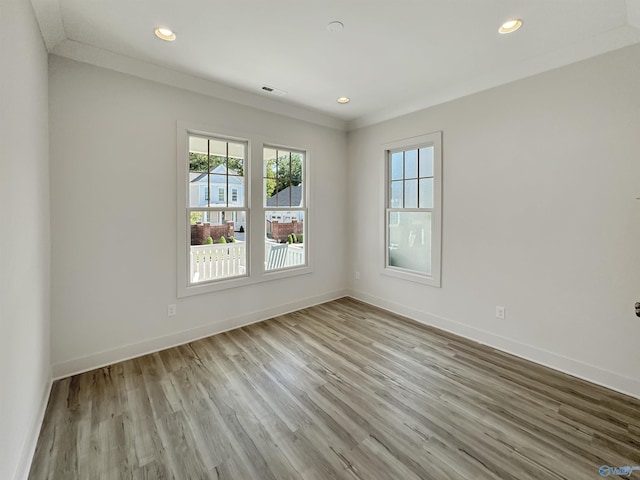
(237, 282)
(411, 276)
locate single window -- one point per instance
(217, 248)
(413, 211)
(285, 208)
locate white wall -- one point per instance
(540, 215)
(113, 192)
(24, 236)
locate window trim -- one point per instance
(432, 139)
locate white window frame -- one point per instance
(303, 208)
(255, 222)
(428, 140)
(184, 286)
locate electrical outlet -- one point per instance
(171, 310)
(357, 275)
(500, 312)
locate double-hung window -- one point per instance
(413, 210)
(217, 224)
(220, 215)
(285, 208)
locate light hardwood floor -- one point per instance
(337, 391)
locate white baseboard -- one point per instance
(590, 373)
(108, 357)
(29, 446)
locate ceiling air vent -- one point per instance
(274, 91)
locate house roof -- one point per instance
(281, 199)
(219, 177)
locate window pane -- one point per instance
(210, 170)
(296, 168)
(197, 145)
(198, 166)
(269, 155)
(409, 241)
(236, 184)
(426, 162)
(290, 196)
(284, 245)
(235, 167)
(411, 194)
(283, 183)
(218, 148)
(284, 164)
(217, 247)
(426, 193)
(269, 186)
(411, 164)
(395, 200)
(236, 150)
(283, 191)
(396, 166)
(198, 189)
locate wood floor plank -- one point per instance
(339, 391)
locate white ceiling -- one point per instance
(391, 58)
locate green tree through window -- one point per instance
(198, 162)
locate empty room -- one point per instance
(285, 239)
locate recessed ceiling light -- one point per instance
(343, 100)
(335, 26)
(165, 34)
(510, 26)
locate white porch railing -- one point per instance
(295, 254)
(209, 262)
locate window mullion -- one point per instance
(404, 183)
(209, 171)
(227, 177)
